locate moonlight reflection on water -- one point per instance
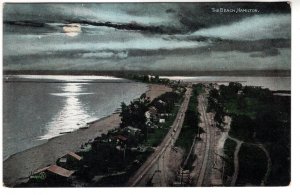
(73, 114)
(40, 107)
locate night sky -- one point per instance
(147, 36)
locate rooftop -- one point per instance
(56, 170)
(77, 157)
(121, 137)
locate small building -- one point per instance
(177, 104)
(85, 148)
(51, 172)
(151, 124)
(162, 120)
(152, 110)
(132, 130)
(165, 114)
(161, 102)
(177, 92)
(147, 115)
(121, 138)
(70, 161)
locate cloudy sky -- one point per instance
(147, 36)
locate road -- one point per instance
(264, 181)
(159, 154)
(236, 160)
(208, 159)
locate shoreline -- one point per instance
(17, 167)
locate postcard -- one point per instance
(147, 94)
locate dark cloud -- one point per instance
(186, 17)
(219, 45)
(250, 46)
(131, 26)
(170, 10)
(266, 53)
(29, 27)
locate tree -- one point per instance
(134, 114)
(145, 78)
(156, 79)
(242, 127)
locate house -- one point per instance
(177, 92)
(161, 102)
(132, 130)
(165, 114)
(177, 104)
(136, 100)
(51, 172)
(139, 149)
(147, 115)
(162, 120)
(152, 110)
(85, 148)
(151, 125)
(69, 161)
(121, 138)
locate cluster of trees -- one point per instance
(149, 79)
(235, 99)
(134, 113)
(216, 105)
(166, 102)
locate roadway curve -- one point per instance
(236, 160)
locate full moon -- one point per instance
(72, 30)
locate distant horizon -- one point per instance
(281, 72)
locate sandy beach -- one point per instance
(18, 167)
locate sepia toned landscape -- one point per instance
(146, 94)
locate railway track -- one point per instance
(203, 178)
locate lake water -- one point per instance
(36, 108)
(273, 83)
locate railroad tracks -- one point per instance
(203, 178)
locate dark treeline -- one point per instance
(148, 78)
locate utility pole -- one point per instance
(223, 167)
(181, 179)
(124, 153)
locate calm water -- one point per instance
(41, 107)
(273, 83)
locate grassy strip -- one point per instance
(252, 165)
(229, 148)
(188, 130)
